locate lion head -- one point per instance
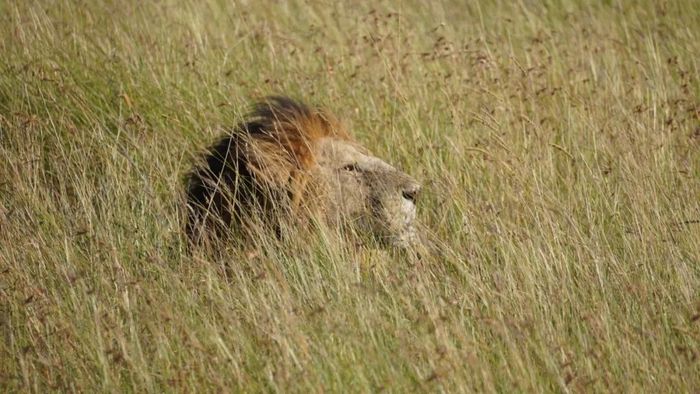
(289, 163)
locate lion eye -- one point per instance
(352, 167)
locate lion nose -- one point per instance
(410, 193)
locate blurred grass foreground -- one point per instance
(559, 147)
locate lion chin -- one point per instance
(289, 164)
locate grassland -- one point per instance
(559, 147)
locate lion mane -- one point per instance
(259, 166)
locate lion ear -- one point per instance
(268, 163)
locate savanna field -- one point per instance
(558, 144)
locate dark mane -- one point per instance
(275, 108)
(229, 184)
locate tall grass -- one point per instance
(559, 147)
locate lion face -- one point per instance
(288, 161)
(367, 193)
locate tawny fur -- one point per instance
(287, 161)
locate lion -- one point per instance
(289, 164)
